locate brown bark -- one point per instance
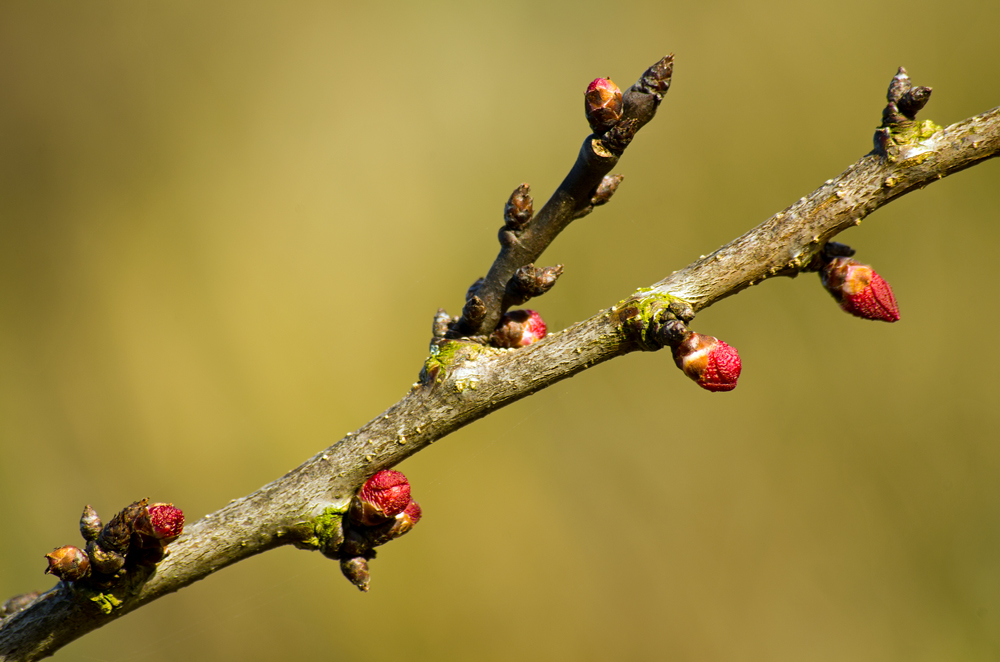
(464, 380)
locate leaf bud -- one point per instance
(90, 524)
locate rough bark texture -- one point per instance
(463, 381)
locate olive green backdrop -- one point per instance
(225, 229)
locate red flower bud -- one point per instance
(68, 563)
(519, 328)
(711, 363)
(162, 523)
(381, 498)
(859, 290)
(603, 104)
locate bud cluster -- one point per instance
(138, 535)
(382, 510)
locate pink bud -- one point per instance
(381, 498)
(859, 290)
(519, 328)
(711, 363)
(603, 104)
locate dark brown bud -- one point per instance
(603, 104)
(68, 563)
(518, 210)
(474, 311)
(899, 86)
(682, 310)
(671, 332)
(529, 282)
(90, 524)
(913, 101)
(116, 534)
(656, 79)
(104, 561)
(356, 570)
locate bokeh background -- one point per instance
(224, 231)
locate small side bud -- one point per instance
(68, 563)
(603, 104)
(859, 290)
(474, 311)
(381, 498)
(518, 210)
(90, 524)
(519, 328)
(529, 282)
(356, 570)
(606, 189)
(711, 363)
(104, 561)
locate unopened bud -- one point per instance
(161, 522)
(90, 524)
(603, 104)
(711, 363)
(381, 498)
(859, 290)
(68, 563)
(518, 210)
(519, 328)
(104, 561)
(356, 570)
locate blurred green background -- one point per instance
(207, 209)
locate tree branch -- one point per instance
(463, 381)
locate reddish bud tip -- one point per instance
(381, 498)
(68, 563)
(519, 328)
(859, 290)
(711, 363)
(167, 522)
(603, 104)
